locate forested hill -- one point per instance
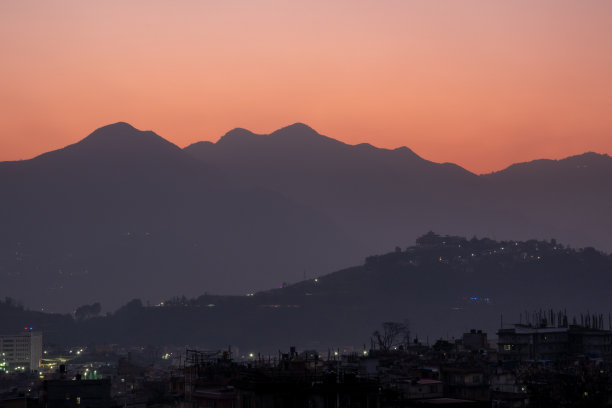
(441, 286)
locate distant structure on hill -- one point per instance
(21, 352)
(431, 239)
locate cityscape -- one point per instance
(546, 362)
(544, 357)
(305, 204)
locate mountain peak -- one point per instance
(117, 126)
(114, 131)
(297, 134)
(297, 129)
(237, 135)
(122, 135)
(119, 130)
(116, 139)
(589, 156)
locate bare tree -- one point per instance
(391, 333)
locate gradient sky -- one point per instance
(479, 83)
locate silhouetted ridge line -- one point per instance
(121, 134)
(126, 206)
(118, 140)
(568, 163)
(236, 136)
(296, 130)
(123, 206)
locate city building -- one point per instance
(66, 393)
(525, 342)
(21, 352)
(475, 340)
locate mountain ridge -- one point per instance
(118, 138)
(123, 206)
(297, 131)
(578, 160)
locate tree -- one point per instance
(87, 311)
(11, 303)
(392, 334)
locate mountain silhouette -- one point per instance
(383, 197)
(124, 213)
(569, 199)
(387, 197)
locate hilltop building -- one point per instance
(21, 352)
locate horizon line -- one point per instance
(557, 158)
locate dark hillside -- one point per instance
(442, 287)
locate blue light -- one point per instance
(473, 298)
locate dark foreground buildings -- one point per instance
(524, 342)
(77, 393)
(531, 365)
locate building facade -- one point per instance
(21, 352)
(552, 343)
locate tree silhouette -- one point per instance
(391, 333)
(87, 311)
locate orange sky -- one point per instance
(479, 83)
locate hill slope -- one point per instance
(443, 286)
(125, 213)
(387, 197)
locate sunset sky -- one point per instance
(479, 83)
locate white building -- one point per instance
(21, 352)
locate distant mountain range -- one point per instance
(388, 197)
(125, 213)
